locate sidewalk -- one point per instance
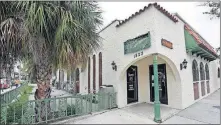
(8, 89)
(114, 116)
(205, 111)
(54, 93)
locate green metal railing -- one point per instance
(43, 111)
(11, 95)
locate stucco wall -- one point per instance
(188, 94)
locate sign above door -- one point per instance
(167, 43)
(137, 44)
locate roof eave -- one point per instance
(108, 25)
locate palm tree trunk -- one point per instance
(8, 75)
(43, 76)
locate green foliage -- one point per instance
(94, 99)
(14, 111)
(49, 34)
(71, 110)
(214, 8)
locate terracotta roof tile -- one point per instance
(161, 9)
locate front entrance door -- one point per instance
(162, 79)
(132, 87)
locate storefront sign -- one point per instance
(166, 43)
(137, 44)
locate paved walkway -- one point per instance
(205, 111)
(115, 116)
(141, 113)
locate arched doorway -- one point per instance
(171, 93)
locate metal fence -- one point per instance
(11, 95)
(68, 87)
(43, 111)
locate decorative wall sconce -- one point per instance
(183, 64)
(114, 66)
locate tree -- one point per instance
(10, 31)
(52, 35)
(214, 8)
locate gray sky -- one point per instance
(189, 11)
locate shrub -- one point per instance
(14, 110)
(70, 110)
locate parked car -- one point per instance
(4, 84)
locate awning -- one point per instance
(198, 46)
(137, 44)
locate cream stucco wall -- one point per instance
(188, 95)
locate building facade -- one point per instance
(188, 67)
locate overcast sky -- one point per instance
(208, 29)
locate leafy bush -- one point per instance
(70, 110)
(14, 111)
(94, 100)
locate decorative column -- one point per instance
(157, 117)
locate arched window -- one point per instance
(68, 77)
(77, 78)
(218, 73)
(195, 71)
(207, 78)
(61, 76)
(72, 77)
(207, 72)
(100, 69)
(202, 73)
(94, 73)
(77, 74)
(61, 79)
(89, 74)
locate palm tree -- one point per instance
(51, 35)
(10, 42)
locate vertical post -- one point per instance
(157, 117)
(91, 102)
(66, 100)
(22, 115)
(46, 115)
(71, 105)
